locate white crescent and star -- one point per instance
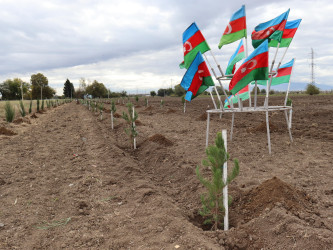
(199, 72)
(189, 45)
(269, 31)
(229, 29)
(254, 63)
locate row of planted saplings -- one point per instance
(40, 106)
(130, 117)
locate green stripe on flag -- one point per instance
(244, 96)
(254, 74)
(237, 58)
(285, 42)
(189, 57)
(276, 81)
(230, 38)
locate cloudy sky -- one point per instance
(136, 45)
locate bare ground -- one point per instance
(68, 181)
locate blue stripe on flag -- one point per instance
(189, 32)
(236, 52)
(238, 14)
(188, 77)
(288, 64)
(272, 22)
(262, 48)
(293, 24)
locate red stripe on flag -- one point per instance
(198, 78)
(241, 49)
(236, 25)
(193, 41)
(289, 33)
(284, 72)
(243, 90)
(259, 61)
(262, 34)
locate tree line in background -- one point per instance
(38, 88)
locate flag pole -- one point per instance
(285, 100)
(246, 55)
(270, 71)
(211, 95)
(219, 83)
(282, 59)
(255, 94)
(218, 65)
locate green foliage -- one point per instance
(37, 105)
(289, 102)
(212, 201)
(68, 89)
(152, 93)
(263, 91)
(42, 104)
(48, 104)
(271, 92)
(179, 90)
(9, 112)
(10, 89)
(183, 99)
(113, 107)
(22, 109)
(130, 119)
(165, 92)
(39, 81)
(97, 89)
(136, 99)
(162, 102)
(258, 90)
(30, 107)
(311, 89)
(101, 106)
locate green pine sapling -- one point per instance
(212, 201)
(22, 109)
(130, 118)
(137, 100)
(9, 112)
(289, 102)
(113, 111)
(43, 104)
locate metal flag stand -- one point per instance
(241, 109)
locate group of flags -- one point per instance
(254, 68)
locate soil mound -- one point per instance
(137, 106)
(149, 108)
(269, 194)
(116, 115)
(21, 120)
(160, 139)
(138, 123)
(202, 117)
(169, 111)
(5, 131)
(34, 116)
(262, 128)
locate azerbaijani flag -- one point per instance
(243, 94)
(255, 67)
(282, 76)
(288, 34)
(197, 78)
(193, 41)
(236, 29)
(236, 57)
(272, 29)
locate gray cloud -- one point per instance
(138, 43)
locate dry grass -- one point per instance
(16, 105)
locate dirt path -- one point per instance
(68, 181)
